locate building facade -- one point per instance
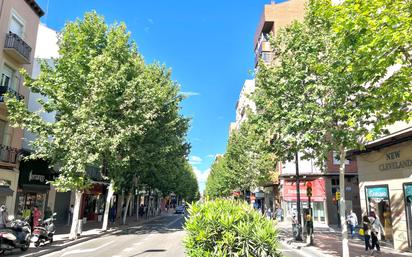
(385, 184)
(19, 20)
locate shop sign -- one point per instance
(34, 177)
(395, 162)
(377, 192)
(318, 191)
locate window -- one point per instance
(16, 25)
(5, 134)
(9, 78)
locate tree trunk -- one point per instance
(107, 206)
(76, 211)
(342, 204)
(129, 196)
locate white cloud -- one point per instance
(211, 155)
(201, 175)
(195, 160)
(189, 93)
(150, 21)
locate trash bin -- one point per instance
(79, 227)
(297, 231)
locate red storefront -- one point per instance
(93, 201)
(318, 199)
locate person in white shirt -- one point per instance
(352, 221)
(376, 229)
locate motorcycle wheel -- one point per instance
(51, 240)
(1, 251)
(37, 244)
(26, 246)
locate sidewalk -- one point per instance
(328, 242)
(90, 231)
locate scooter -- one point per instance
(44, 232)
(16, 236)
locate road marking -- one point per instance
(136, 244)
(129, 249)
(87, 250)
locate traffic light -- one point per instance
(309, 189)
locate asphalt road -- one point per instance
(161, 237)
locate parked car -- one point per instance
(180, 209)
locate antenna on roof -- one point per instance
(47, 12)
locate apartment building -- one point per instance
(19, 20)
(324, 177)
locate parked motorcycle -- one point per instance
(17, 235)
(44, 232)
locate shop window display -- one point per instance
(378, 201)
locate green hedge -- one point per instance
(229, 228)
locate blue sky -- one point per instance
(207, 44)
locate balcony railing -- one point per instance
(8, 154)
(19, 49)
(5, 89)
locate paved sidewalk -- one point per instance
(91, 230)
(329, 243)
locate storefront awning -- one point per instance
(35, 188)
(6, 191)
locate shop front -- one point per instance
(93, 202)
(318, 199)
(385, 182)
(33, 186)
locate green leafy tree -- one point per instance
(317, 96)
(107, 101)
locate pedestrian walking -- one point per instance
(366, 226)
(352, 221)
(376, 229)
(36, 216)
(141, 211)
(279, 214)
(3, 216)
(70, 215)
(269, 214)
(112, 214)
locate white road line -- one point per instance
(136, 244)
(129, 249)
(87, 250)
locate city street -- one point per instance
(161, 237)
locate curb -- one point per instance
(59, 247)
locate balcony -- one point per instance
(8, 154)
(17, 48)
(5, 89)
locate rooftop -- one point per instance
(35, 7)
